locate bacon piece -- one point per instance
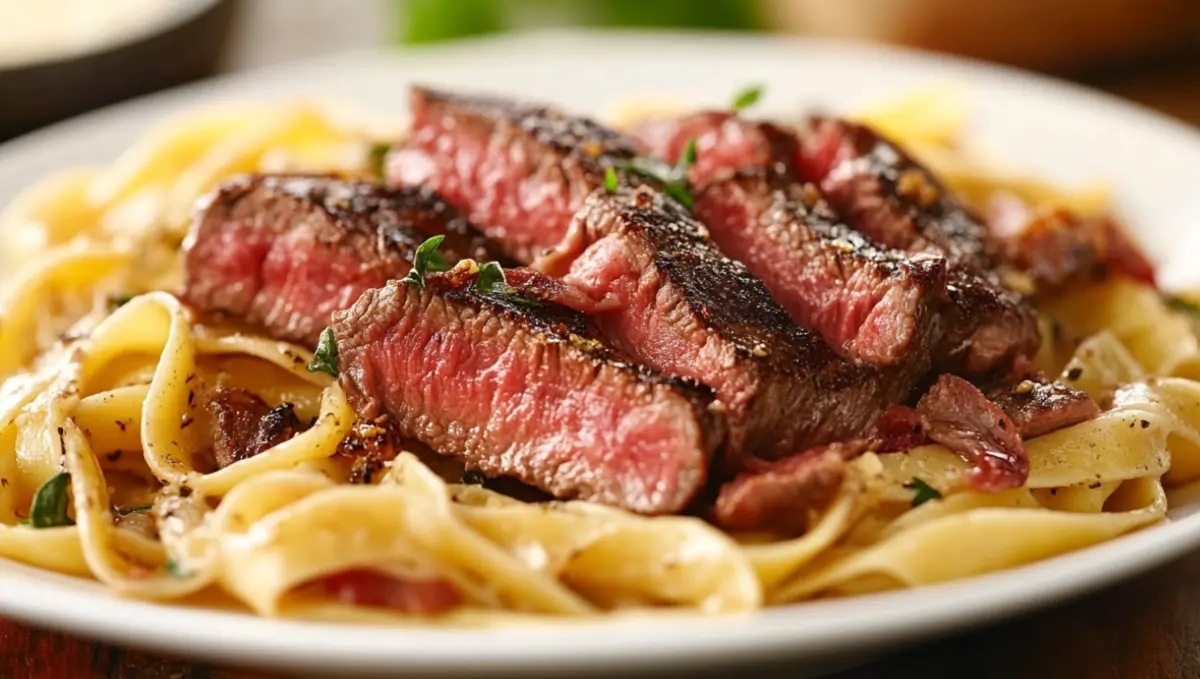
(957, 415)
(381, 590)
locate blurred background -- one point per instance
(62, 57)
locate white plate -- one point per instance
(1056, 129)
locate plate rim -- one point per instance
(693, 641)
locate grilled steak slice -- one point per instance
(782, 496)
(882, 192)
(957, 415)
(1055, 246)
(516, 385)
(519, 172)
(868, 303)
(724, 142)
(662, 293)
(286, 251)
(244, 425)
(1040, 408)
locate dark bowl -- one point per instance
(185, 45)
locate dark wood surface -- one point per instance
(1146, 628)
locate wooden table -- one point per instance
(1147, 628)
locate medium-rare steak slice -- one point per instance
(286, 251)
(870, 304)
(662, 293)
(519, 172)
(882, 192)
(516, 385)
(724, 142)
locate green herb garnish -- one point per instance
(674, 180)
(117, 301)
(325, 358)
(610, 179)
(1181, 304)
(134, 510)
(427, 259)
(923, 492)
(747, 97)
(491, 277)
(49, 507)
(175, 568)
(376, 158)
(688, 158)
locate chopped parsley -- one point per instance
(923, 492)
(117, 301)
(491, 279)
(427, 259)
(674, 180)
(175, 568)
(610, 179)
(49, 507)
(1181, 304)
(325, 358)
(747, 97)
(134, 510)
(376, 158)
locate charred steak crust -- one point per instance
(651, 271)
(869, 303)
(1042, 407)
(519, 171)
(881, 191)
(515, 385)
(285, 251)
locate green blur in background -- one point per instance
(422, 21)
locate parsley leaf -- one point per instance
(610, 179)
(117, 301)
(134, 510)
(1181, 304)
(427, 259)
(491, 277)
(688, 158)
(175, 568)
(674, 180)
(747, 97)
(376, 159)
(923, 492)
(325, 358)
(49, 507)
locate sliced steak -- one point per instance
(1054, 246)
(244, 425)
(725, 142)
(957, 415)
(662, 293)
(882, 192)
(783, 496)
(286, 251)
(515, 385)
(870, 304)
(519, 172)
(1039, 408)
(899, 430)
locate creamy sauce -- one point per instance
(39, 30)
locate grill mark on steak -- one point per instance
(783, 496)
(957, 415)
(518, 171)
(868, 303)
(285, 251)
(1040, 407)
(884, 193)
(662, 293)
(524, 387)
(244, 425)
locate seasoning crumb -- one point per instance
(1024, 387)
(1074, 373)
(1145, 424)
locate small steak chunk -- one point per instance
(286, 251)
(384, 590)
(1055, 246)
(725, 142)
(515, 385)
(518, 171)
(882, 192)
(899, 430)
(1040, 408)
(868, 303)
(662, 293)
(244, 425)
(957, 415)
(783, 496)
